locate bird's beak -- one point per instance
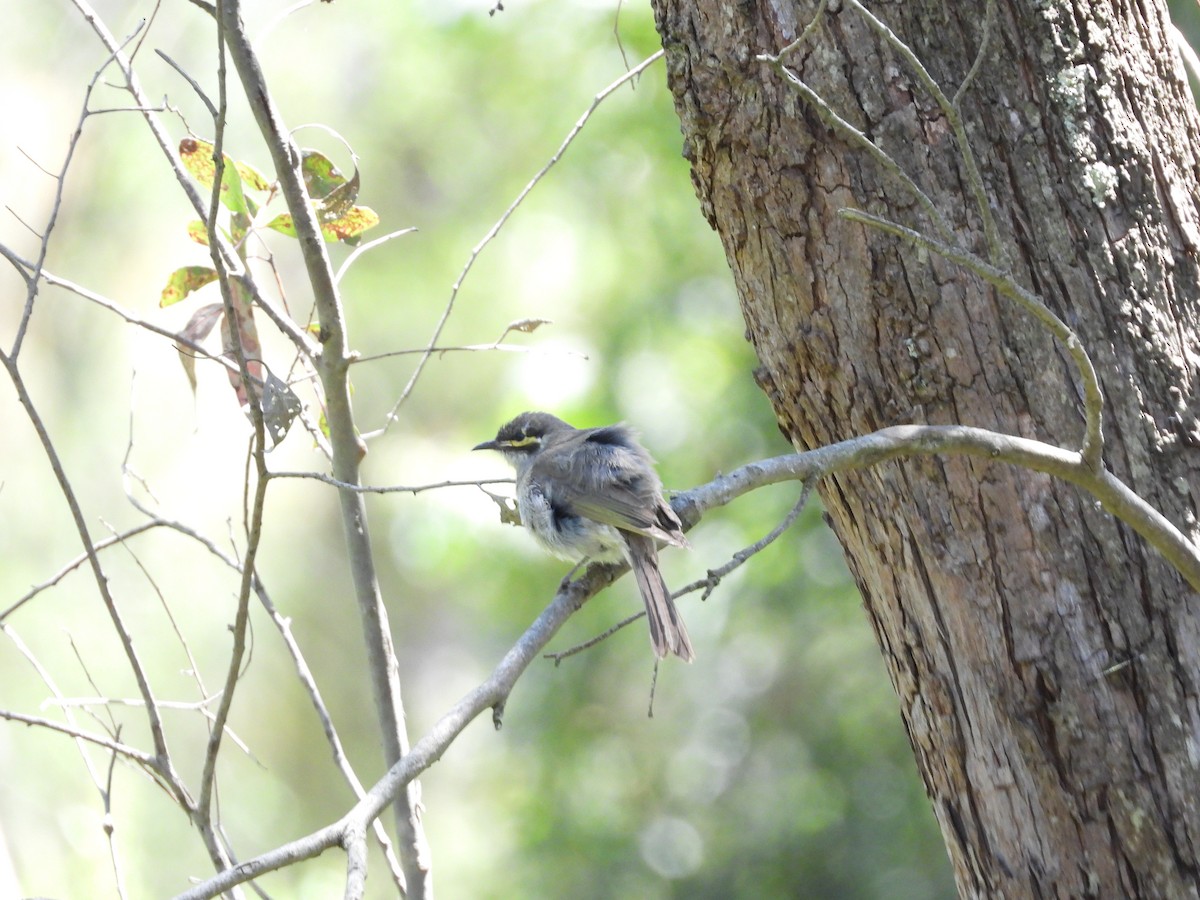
(487, 445)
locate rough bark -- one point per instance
(1045, 659)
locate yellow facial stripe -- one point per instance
(523, 441)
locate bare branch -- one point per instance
(102, 584)
(347, 446)
(304, 673)
(144, 759)
(495, 229)
(74, 564)
(56, 206)
(950, 111)
(888, 444)
(1093, 398)
(389, 489)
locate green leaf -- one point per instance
(183, 281)
(283, 224)
(197, 158)
(198, 232)
(349, 227)
(346, 228)
(333, 198)
(252, 178)
(321, 176)
(231, 189)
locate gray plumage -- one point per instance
(593, 493)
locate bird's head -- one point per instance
(525, 436)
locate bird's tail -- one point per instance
(667, 631)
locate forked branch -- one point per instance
(899, 442)
(1092, 448)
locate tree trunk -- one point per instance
(1045, 658)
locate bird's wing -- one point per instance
(610, 478)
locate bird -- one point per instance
(592, 494)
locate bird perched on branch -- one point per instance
(592, 493)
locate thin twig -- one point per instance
(989, 18)
(109, 825)
(111, 726)
(36, 165)
(709, 582)
(212, 109)
(524, 326)
(60, 186)
(145, 760)
(714, 576)
(471, 348)
(388, 489)
(897, 442)
(1093, 398)
(346, 444)
(950, 111)
(51, 686)
(204, 804)
(182, 705)
(74, 564)
(265, 31)
(804, 34)
(620, 44)
(363, 248)
(841, 125)
(89, 547)
(495, 229)
(192, 667)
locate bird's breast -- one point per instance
(564, 532)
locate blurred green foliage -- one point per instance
(775, 766)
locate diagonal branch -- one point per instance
(950, 111)
(32, 280)
(431, 348)
(897, 442)
(1093, 398)
(102, 584)
(1093, 441)
(347, 447)
(255, 514)
(145, 760)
